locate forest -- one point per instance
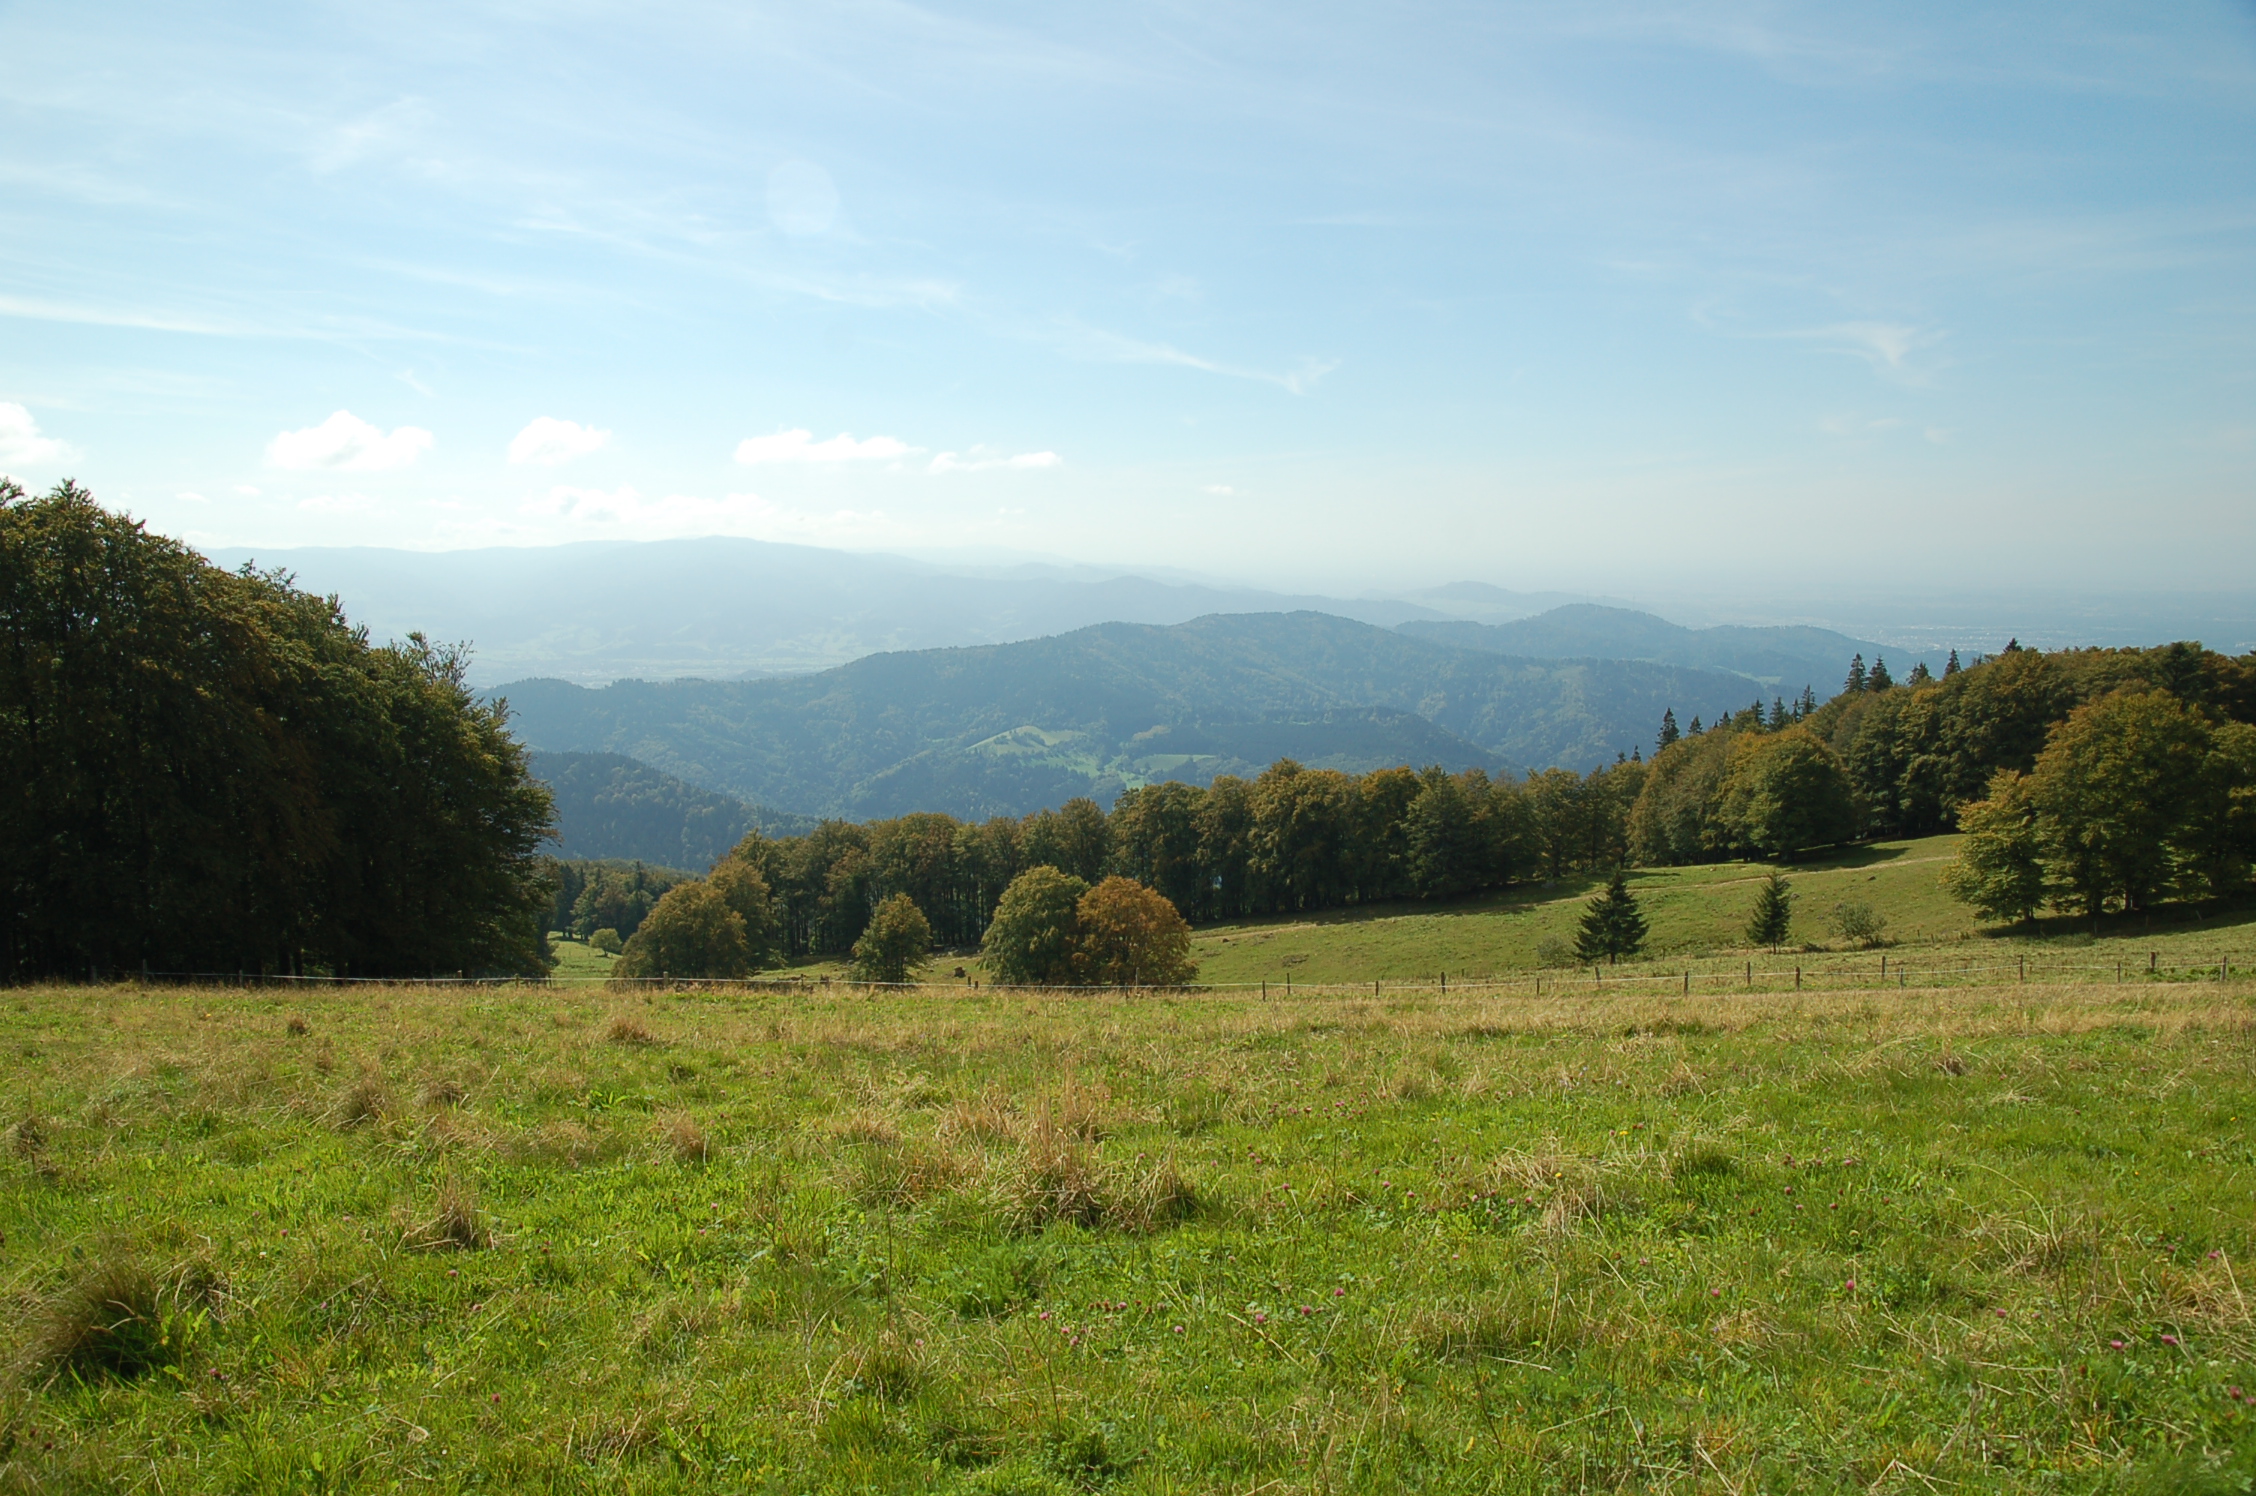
(214, 772)
(2090, 753)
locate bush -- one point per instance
(895, 943)
(1127, 935)
(607, 941)
(1033, 935)
(1859, 923)
(691, 933)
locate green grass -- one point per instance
(523, 1238)
(1697, 917)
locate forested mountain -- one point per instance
(1006, 729)
(611, 806)
(722, 607)
(1781, 659)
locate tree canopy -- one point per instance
(213, 771)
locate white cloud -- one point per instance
(347, 442)
(980, 458)
(1219, 490)
(1887, 346)
(20, 440)
(801, 446)
(549, 441)
(191, 498)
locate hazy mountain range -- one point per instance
(1014, 727)
(721, 607)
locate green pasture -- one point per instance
(528, 1238)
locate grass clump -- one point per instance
(119, 1319)
(457, 1223)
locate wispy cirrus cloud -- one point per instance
(1096, 343)
(347, 443)
(548, 441)
(1888, 347)
(801, 446)
(21, 442)
(978, 459)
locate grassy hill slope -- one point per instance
(449, 1240)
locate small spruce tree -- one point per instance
(1920, 674)
(1951, 666)
(1778, 717)
(1879, 679)
(1612, 927)
(1807, 706)
(1773, 918)
(1694, 730)
(1669, 734)
(1855, 682)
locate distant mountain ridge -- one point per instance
(721, 607)
(1781, 658)
(1010, 728)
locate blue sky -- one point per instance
(1597, 295)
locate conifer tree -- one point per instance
(1612, 926)
(1694, 730)
(1774, 912)
(1807, 706)
(1855, 682)
(1778, 717)
(1951, 666)
(1920, 674)
(2012, 646)
(1669, 734)
(1879, 679)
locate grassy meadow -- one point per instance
(1969, 1238)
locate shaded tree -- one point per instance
(1773, 917)
(1128, 935)
(1612, 924)
(1999, 869)
(692, 932)
(895, 944)
(1033, 935)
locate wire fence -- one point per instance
(1852, 974)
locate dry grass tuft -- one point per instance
(365, 1101)
(891, 1370)
(1950, 1064)
(686, 1140)
(607, 1436)
(458, 1225)
(447, 1093)
(297, 1027)
(864, 1128)
(1152, 1199)
(28, 1138)
(1568, 1187)
(1512, 1329)
(902, 1174)
(986, 1118)
(1057, 1179)
(119, 1319)
(628, 1029)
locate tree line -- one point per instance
(1881, 757)
(212, 771)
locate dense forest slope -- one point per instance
(611, 806)
(1782, 659)
(1011, 728)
